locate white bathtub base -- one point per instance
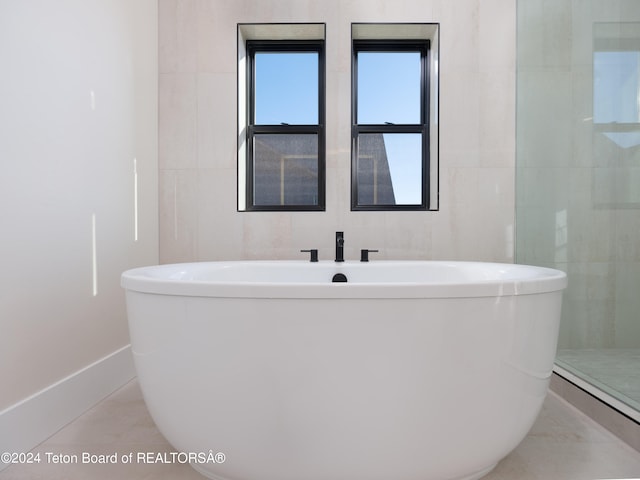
(479, 474)
(474, 476)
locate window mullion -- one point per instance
(261, 129)
(389, 128)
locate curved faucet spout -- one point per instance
(339, 246)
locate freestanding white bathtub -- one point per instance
(409, 371)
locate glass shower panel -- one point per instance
(578, 178)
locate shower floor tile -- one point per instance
(614, 370)
(563, 444)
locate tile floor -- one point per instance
(563, 445)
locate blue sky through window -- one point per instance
(404, 153)
(388, 87)
(286, 88)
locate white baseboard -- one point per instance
(29, 422)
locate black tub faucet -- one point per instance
(339, 246)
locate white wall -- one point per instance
(78, 102)
(198, 135)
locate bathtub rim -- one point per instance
(139, 280)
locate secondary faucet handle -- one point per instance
(314, 254)
(364, 254)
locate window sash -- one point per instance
(253, 129)
(286, 166)
(389, 175)
(421, 128)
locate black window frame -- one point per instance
(392, 45)
(262, 46)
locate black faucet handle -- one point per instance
(314, 254)
(364, 254)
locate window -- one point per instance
(616, 115)
(616, 92)
(390, 132)
(616, 81)
(285, 152)
(394, 159)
